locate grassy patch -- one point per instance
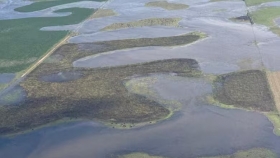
(103, 13)
(257, 2)
(253, 153)
(247, 89)
(266, 16)
(44, 4)
(144, 22)
(275, 119)
(166, 5)
(21, 40)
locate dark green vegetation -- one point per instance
(248, 89)
(99, 94)
(22, 40)
(46, 4)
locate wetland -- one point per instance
(143, 79)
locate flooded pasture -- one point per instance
(198, 129)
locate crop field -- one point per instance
(21, 40)
(39, 5)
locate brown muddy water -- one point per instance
(198, 129)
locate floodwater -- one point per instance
(6, 77)
(199, 129)
(8, 6)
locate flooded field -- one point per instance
(198, 129)
(143, 78)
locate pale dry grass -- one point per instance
(274, 82)
(103, 13)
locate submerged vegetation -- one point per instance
(167, 5)
(21, 40)
(267, 16)
(40, 5)
(144, 22)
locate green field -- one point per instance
(22, 40)
(39, 5)
(266, 17)
(257, 2)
